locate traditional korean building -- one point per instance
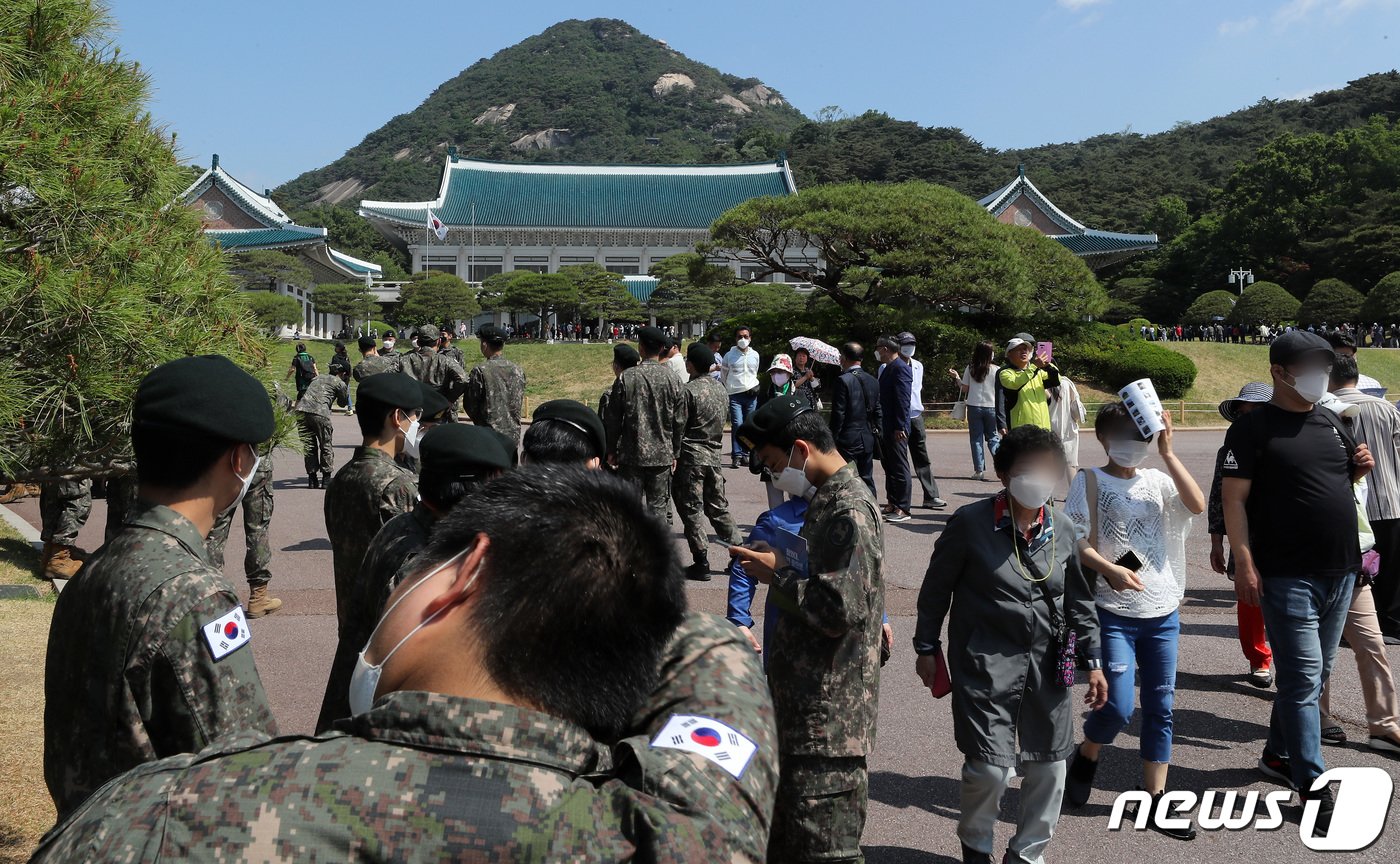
(504, 216)
(238, 219)
(1021, 203)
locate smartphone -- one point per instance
(1046, 350)
(1129, 560)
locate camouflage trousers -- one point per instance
(820, 810)
(699, 492)
(655, 484)
(122, 503)
(316, 436)
(257, 516)
(64, 506)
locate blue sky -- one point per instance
(278, 87)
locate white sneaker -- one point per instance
(976, 475)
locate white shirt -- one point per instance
(981, 394)
(916, 389)
(740, 370)
(677, 365)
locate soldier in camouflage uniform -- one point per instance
(496, 388)
(314, 417)
(452, 352)
(425, 776)
(435, 369)
(699, 479)
(456, 459)
(64, 507)
(148, 652)
(645, 423)
(365, 494)
(122, 502)
(372, 362)
(823, 655)
(624, 358)
(257, 517)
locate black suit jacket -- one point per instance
(855, 411)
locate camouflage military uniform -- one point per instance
(131, 675)
(314, 415)
(257, 516)
(646, 419)
(430, 777)
(375, 364)
(369, 491)
(122, 503)
(824, 671)
(395, 545)
(495, 395)
(452, 352)
(699, 479)
(440, 372)
(64, 506)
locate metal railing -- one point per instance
(1179, 408)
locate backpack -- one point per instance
(305, 367)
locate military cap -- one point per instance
(906, 338)
(654, 335)
(394, 389)
(577, 415)
(367, 342)
(462, 450)
(769, 421)
(491, 333)
(430, 330)
(625, 355)
(700, 356)
(207, 395)
(434, 404)
(507, 444)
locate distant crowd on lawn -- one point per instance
(1364, 336)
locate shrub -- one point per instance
(1330, 302)
(1110, 358)
(1382, 305)
(1264, 303)
(1208, 307)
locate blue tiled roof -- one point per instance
(531, 195)
(247, 239)
(1093, 242)
(641, 287)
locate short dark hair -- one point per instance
(174, 459)
(426, 339)
(1338, 339)
(887, 342)
(807, 426)
(1345, 371)
(578, 636)
(555, 441)
(712, 338)
(741, 328)
(1111, 416)
(853, 351)
(444, 490)
(370, 413)
(1023, 441)
(301, 346)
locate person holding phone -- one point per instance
(1130, 526)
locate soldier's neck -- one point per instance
(193, 503)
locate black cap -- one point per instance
(435, 404)
(508, 444)
(461, 450)
(770, 420)
(577, 415)
(906, 338)
(394, 389)
(625, 355)
(367, 342)
(206, 395)
(491, 333)
(700, 356)
(654, 334)
(1296, 344)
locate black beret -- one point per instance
(206, 394)
(462, 450)
(394, 389)
(508, 444)
(770, 420)
(434, 403)
(625, 355)
(367, 342)
(491, 333)
(700, 356)
(577, 415)
(654, 335)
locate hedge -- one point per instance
(1110, 359)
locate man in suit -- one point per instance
(855, 413)
(896, 391)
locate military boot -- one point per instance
(58, 562)
(259, 604)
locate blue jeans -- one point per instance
(1149, 644)
(1304, 616)
(982, 426)
(741, 405)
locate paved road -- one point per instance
(1221, 722)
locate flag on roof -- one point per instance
(435, 225)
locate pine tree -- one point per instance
(101, 278)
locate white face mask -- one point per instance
(742, 343)
(389, 345)
(364, 681)
(1311, 386)
(247, 482)
(411, 438)
(1129, 454)
(781, 378)
(1032, 490)
(794, 481)
(907, 350)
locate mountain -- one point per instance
(581, 91)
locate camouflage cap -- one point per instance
(430, 330)
(770, 420)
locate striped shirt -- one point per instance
(1378, 426)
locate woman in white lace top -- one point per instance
(1131, 525)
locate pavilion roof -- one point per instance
(642, 287)
(544, 195)
(1100, 246)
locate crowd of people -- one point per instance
(487, 699)
(1363, 335)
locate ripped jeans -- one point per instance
(1149, 646)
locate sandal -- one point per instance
(1334, 735)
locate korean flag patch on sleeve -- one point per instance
(721, 744)
(227, 634)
